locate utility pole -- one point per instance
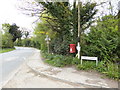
(119, 16)
(78, 46)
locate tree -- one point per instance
(0, 38)
(63, 20)
(5, 27)
(13, 30)
(7, 41)
(103, 40)
(6, 37)
(26, 33)
(41, 30)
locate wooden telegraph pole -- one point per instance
(119, 16)
(78, 46)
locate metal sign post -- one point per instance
(47, 39)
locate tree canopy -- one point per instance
(15, 32)
(62, 19)
(103, 40)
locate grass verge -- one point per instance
(6, 50)
(109, 69)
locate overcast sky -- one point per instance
(10, 14)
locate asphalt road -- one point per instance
(11, 61)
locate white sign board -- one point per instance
(89, 58)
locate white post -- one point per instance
(78, 48)
(96, 62)
(78, 30)
(81, 61)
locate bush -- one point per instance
(58, 60)
(108, 68)
(60, 47)
(103, 40)
(87, 65)
(75, 61)
(7, 41)
(112, 71)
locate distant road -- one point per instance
(11, 61)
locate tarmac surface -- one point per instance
(55, 77)
(71, 75)
(11, 61)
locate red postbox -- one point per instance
(72, 48)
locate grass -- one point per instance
(6, 50)
(57, 60)
(107, 68)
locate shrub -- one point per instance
(57, 60)
(103, 40)
(75, 61)
(7, 41)
(87, 65)
(108, 68)
(112, 71)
